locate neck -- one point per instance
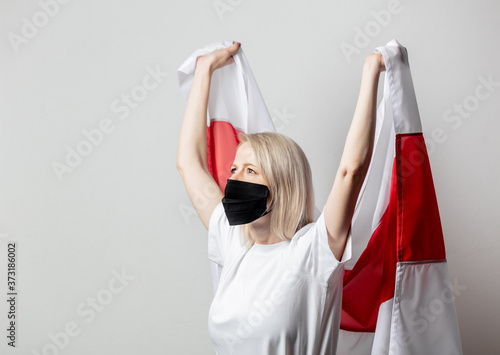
(262, 231)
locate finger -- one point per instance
(234, 48)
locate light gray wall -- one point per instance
(123, 208)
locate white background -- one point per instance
(124, 207)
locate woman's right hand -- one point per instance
(375, 61)
(218, 58)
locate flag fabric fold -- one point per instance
(397, 296)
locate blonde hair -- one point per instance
(286, 169)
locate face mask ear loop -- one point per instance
(272, 203)
(266, 212)
(269, 210)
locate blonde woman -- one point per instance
(280, 290)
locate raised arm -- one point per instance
(355, 160)
(192, 147)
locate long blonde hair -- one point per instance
(287, 171)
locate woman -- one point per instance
(280, 290)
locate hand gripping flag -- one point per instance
(397, 297)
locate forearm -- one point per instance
(192, 147)
(360, 138)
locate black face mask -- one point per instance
(244, 202)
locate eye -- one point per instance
(252, 170)
(232, 170)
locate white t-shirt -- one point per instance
(282, 298)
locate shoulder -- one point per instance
(311, 247)
(309, 228)
(216, 218)
(224, 240)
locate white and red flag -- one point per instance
(235, 104)
(397, 295)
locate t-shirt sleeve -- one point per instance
(223, 238)
(315, 254)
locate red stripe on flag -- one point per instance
(420, 236)
(410, 230)
(222, 140)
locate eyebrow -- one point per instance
(246, 164)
